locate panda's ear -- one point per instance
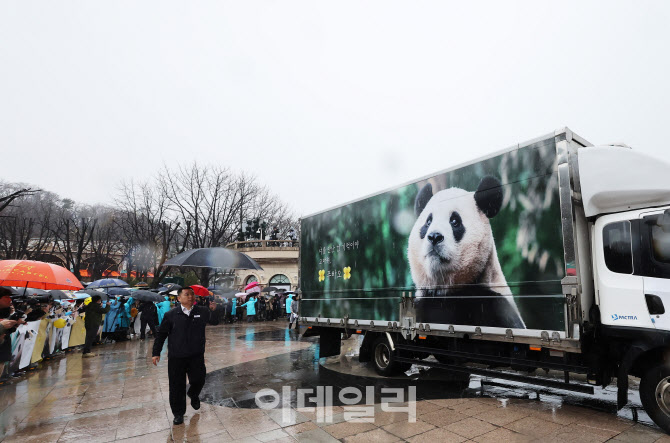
(425, 194)
(489, 196)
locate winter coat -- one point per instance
(233, 308)
(94, 313)
(186, 333)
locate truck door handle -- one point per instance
(655, 304)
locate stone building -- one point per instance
(278, 258)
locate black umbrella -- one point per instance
(57, 294)
(30, 292)
(119, 291)
(89, 293)
(169, 288)
(269, 289)
(213, 258)
(144, 295)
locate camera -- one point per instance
(17, 315)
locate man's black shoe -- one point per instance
(178, 419)
(195, 402)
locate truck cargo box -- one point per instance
(480, 248)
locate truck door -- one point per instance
(620, 289)
(655, 265)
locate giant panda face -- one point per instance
(451, 240)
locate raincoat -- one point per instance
(251, 306)
(288, 303)
(233, 308)
(163, 307)
(115, 318)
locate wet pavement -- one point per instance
(119, 395)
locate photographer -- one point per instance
(9, 320)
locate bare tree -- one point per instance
(25, 225)
(9, 193)
(148, 228)
(73, 232)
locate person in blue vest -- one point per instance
(163, 307)
(233, 309)
(251, 308)
(289, 299)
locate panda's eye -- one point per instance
(455, 220)
(429, 220)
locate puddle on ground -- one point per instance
(236, 386)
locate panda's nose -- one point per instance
(435, 238)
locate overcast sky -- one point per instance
(325, 101)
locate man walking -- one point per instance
(184, 325)
(149, 317)
(92, 321)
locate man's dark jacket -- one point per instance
(186, 332)
(94, 311)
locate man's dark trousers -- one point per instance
(91, 335)
(178, 368)
(143, 324)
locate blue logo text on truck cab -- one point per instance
(616, 317)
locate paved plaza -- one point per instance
(120, 396)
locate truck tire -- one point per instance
(655, 395)
(383, 359)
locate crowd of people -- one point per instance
(121, 317)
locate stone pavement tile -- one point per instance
(473, 408)
(425, 407)
(376, 436)
(300, 428)
(491, 401)
(197, 424)
(438, 435)
(443, 417)
(292, 417)
(252, 423)
(98, 428)
(664, 439)
(382, 418)
(72, 391)
(37, 433)
(640, 433)
(313, 413)
(556, 415)
(503, 416)
(136, 422)
(97, 392)
(579, 433)
(316, 436)
(345, 429)
(470, 427)
(11, 418)
(96, 404)
(606, 421)
(406, 430)
(503, 435)
(155, 437)
(51, 410)
(211, 437)
(534, 427)
(448, 402)
(276, 434)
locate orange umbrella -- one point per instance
(37, 274)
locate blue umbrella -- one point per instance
(108, 283)
(119, 291)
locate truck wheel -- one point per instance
(383, 359)
(655, 395)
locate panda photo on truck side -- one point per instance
(453, 259)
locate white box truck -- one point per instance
(552, 254)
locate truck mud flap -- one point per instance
(330, 342)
